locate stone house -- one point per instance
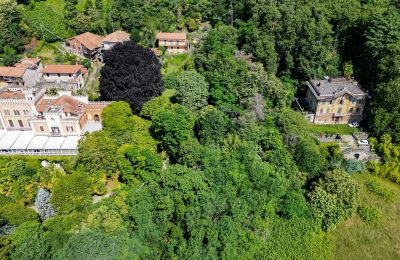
(84, 44)
(74, 75)
(335, 101)
(92, 46)
(173, 42)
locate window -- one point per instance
(26, 112)
(20, 123)
(16, 112)
(339, 110)
(330, 102)
(341, 101)
(351, 110)
(11, 123)
(7, 112)
(321, 111)
(47, 74)
(70, 129)
(41, 129)
(69, 75)
(358, 110)
(58, 74)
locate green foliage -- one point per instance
(389, 167)
(106, 220)
(139, 165)
(298, 238)
(97, 154)
(12, 35)
(191, 90)
(97, 245)
(377, 189)
(16, 214)
(354, 166)
(9, 56)
(334, 197)
(369, 214)
(173, 126)
(155, 105)
(212, 126)
(46, 21)
(71, 193)
(28, 242)
(190, 152)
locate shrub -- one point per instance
(16, 214)
(377, 189)
(369, 214)
(354, 166)
(334, 198)
(71, 193)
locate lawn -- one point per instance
(355, 239)
(333, 129)
(174, 62)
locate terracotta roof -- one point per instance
(12, 72)
(89, 40)
(118, 36)
(12, 95)
(68, 103)
(62, 69)
(171, 36)
(31, 60)
(84, 71)
(96, 106)
(29, 63)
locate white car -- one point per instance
(353, 124)
(363, 142)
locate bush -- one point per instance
(369, 214)
(354, 166)
(16, 214)
(377, 189)
(334, 198)
(71, 193)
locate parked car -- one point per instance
(354, 124)
(363, 142)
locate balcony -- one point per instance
(338, 115)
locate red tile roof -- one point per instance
(12, 95)
(12, 72)
(62, 69)
(31, 60)
(118, 36)
(171, 36)
(68, 103)
(29, 63)
(89, 40)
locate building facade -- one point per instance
(92, 46)
(73, 75)
(84, 44)
(335, 101)
(173, 42)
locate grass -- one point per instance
(358, 239)
(333, 129)
(174, 62)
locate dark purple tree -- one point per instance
(132, 74)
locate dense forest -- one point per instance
(218, 165)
